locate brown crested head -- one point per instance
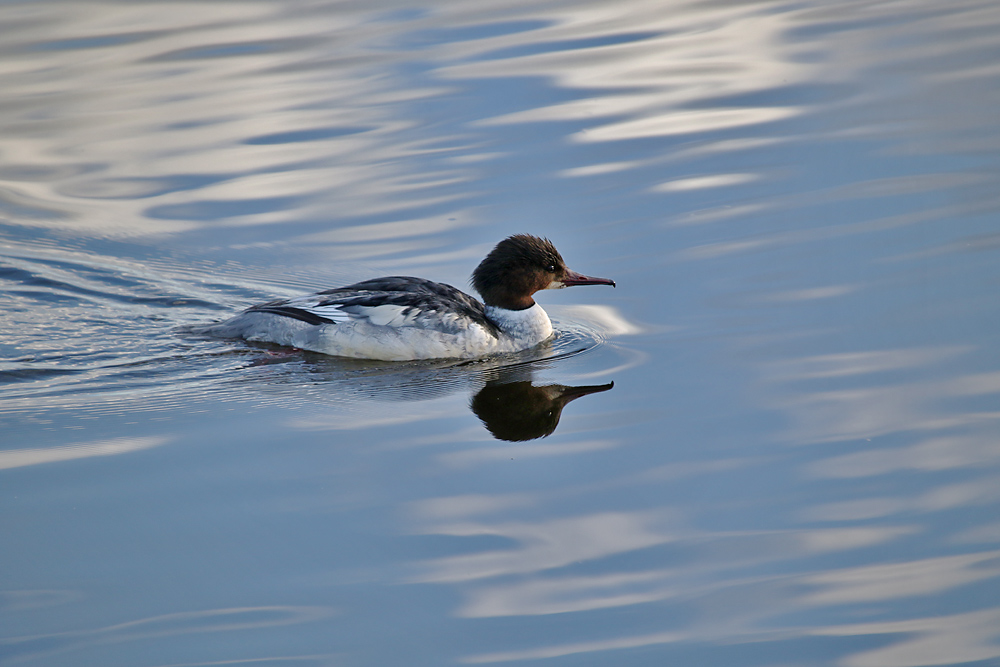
(515, 269)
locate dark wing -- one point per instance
(395, 301)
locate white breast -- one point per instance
(525, 327)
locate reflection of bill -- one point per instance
(518, 411)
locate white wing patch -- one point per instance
(385, 315)
(388, 315)
(331, 312)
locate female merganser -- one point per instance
(401, 318)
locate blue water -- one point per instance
(788, 452)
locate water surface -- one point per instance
(797, 462)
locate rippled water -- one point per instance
(782, 448)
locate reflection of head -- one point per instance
(518, 411)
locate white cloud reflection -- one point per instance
(179, 624)
(871, 408)
(545, 544)
(560, 650)
(683, 55)
(706, 182)
(859, 363)
(936, 640)
(878, 583)
(558, 595)
(16, 458)
(218, 115)
(927, 455)
(607, 320)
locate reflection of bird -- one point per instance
(519, 411)
(400, 318)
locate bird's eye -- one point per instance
(551, 268)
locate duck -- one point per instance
(402, 318)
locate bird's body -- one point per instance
(402, 318)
